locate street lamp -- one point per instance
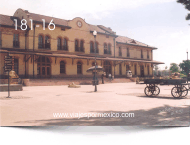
(95, 33)
(187, 65)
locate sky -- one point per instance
(159, 23)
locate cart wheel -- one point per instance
(148, 91)
(176, 93)
(184, 91)
(156, 91)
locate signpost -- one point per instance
(7, 68)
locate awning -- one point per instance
(74, 56)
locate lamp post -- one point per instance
(187, 67)
(95, 33)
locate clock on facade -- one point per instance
(79, 23)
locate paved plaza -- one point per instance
(35, 106)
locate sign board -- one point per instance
(8, 57)
(8, 63)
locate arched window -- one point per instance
(62, 67)
(82, 46)
(91, 47)
(79, 67)
(109, 48)
(65, 44)
(59, 44)
(40, 41)
(76, 45)
(105, 49)
(97, 49)
(47, 42)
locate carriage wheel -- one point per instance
(148, 91)
(156, 91)
(184, 91)
(176, 92)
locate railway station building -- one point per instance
(68, 50)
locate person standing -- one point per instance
(110, 77)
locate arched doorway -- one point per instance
(107, 68)
(43, 67)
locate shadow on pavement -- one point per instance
(160, 116)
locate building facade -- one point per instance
(48, 47)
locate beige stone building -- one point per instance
(44, 47)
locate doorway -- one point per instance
(43, 67)
(142, 71)
(107, 68)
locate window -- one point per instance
(47, 42)
(0, 39)
(141, 53)
(40, 41)
(91, 47)
(62, 67)
(97, 49)
(65, 44)
(82, 46)
(59, 44)
(79, 68)
(148, 69)
(120, 54)
(15, 40)
(147, 54)
(105, 49)
(109, 48)
(76, 45)
(128, 54)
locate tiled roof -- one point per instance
(38, 17)
(126, 40)
(6, 20)
(107, 29)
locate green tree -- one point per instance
(174, 67)
(185, 66)
(186, 3)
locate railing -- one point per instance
(16, 44)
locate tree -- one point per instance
(186, 3)
(174, 67)
(185, 66)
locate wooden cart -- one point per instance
(178, 91)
